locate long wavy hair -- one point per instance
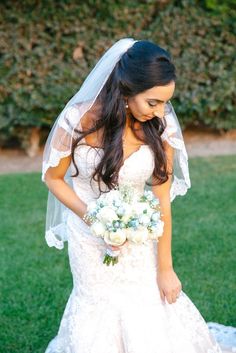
(142, 67)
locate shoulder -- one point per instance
(70, 118)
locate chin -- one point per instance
(141, 118)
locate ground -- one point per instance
(198, 143)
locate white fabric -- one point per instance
(225, 335)
(173, 135)
(117, 309)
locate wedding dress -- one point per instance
(118, 309)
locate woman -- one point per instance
(121, 128)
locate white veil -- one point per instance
(60, 140)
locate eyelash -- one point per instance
(151, 105)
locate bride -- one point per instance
(119, 128)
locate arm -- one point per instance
(168, 282)
(54, 179)
(162, 192)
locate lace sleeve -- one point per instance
(173, 135)
(60, 139)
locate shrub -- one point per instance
(48, 48)
(203, 50)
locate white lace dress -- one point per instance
(118, 309)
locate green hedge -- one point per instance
(48, 48)
(203, 48)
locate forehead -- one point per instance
(162, 93)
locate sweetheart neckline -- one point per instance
(100, 148)
(133, 153)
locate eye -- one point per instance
(152, 104)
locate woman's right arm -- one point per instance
(54, 179)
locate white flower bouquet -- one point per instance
(122, 214)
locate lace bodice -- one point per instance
(136, 169)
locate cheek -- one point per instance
(140, 107)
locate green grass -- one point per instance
(36, 280)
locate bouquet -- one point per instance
(123, 214)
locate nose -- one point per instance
(160, 112)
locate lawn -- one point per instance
(36, 280)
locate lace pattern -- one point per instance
(54, 160)
(118, 309)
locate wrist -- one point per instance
(165, 268)
(85, 217)
(83, 213)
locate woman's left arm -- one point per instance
(168, 282)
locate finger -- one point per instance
(115, 248)
(169, 298)
(175, 296)
(125, 243)
(178, 294)
(122, 245)
(162, 295)
(118, 247)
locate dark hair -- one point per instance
(142, 67)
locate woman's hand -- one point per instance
(169, 285)
(115, 248)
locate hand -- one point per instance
(169, 285)
(115, 248)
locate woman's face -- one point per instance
(151, 103)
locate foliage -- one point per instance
(219, 6)
(49, 47)
(203, 51)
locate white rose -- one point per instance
(155, 216)
(115, 238)
(144, 219)
(137, 236)
(98, 229)
(128, 212)
(141, 206)
(107, 214)
(111, 196)
(149, 195)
